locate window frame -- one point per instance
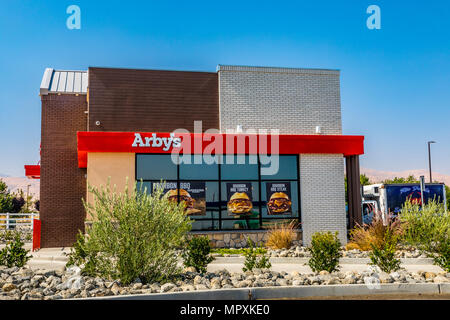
(221, 207)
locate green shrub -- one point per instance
(441, 255)
(447, 196)
(428, 229)
(29, 237)
(423, 226)
(197, 254)
(82, 257)
(383, 255)
(254, 258)
(325, 252)
(382, 237)
(7, 235)
(14, 254)
(132, 235)
(6, 198)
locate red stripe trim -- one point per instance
(33, 171)
(36, 234)
(198, 143)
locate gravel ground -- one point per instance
(28, 284)
(26, 236)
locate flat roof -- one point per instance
(76, 81)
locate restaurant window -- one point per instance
(194, 167)
(287, 168)
(224, 195)
(238, 167)
(155, 167)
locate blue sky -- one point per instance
(395, 82)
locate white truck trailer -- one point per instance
(389, 198)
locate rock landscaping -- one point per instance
(298, 251)
(157, 255)
(26, 235)
(27, 284)
(238, 239)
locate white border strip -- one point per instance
(289, 292)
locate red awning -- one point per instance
(33, 171)
(220, 143)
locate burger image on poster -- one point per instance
(279, 202)
(185, 198)
(239, 203)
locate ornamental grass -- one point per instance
(363, 237)
(282, 235)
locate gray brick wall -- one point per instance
(322, 194)
(294, 101)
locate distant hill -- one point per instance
(16, 183)
(377, 176)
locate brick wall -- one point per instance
(151, 100)
(322, 194)
(294, 101)
(63, 184)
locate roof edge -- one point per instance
(146, 69)
(46, 79)
(238, 68)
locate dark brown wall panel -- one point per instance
(353, 191)
(152, 100)
(63, 184)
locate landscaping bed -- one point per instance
(26, 284)
(138, 249)
(297, 251)
(26, 235)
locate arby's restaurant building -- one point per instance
(244, 147)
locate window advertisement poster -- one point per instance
(193, 194)
(239, 198)
(278, 198)
(169, 187)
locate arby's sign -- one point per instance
(154, 141)
(214, 143)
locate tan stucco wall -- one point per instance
(116, 165)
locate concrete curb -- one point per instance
(288, 292)
(445, 288)
(343, 290)
(213, 294)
